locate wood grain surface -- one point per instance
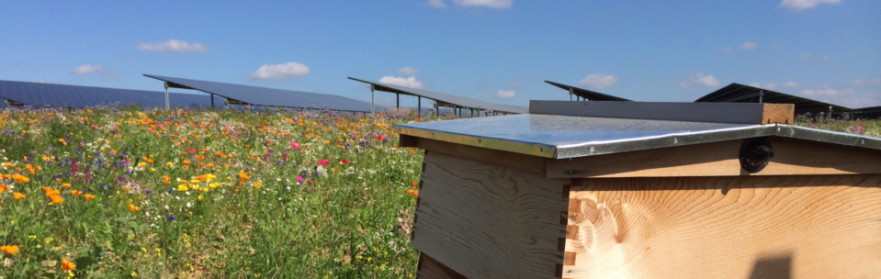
(489, 221)
(725, 227)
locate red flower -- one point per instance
(344, 161)
(323, 162)
(191, 150)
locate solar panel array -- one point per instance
(453, 100)
(36, 94)
(262, 96)
(739, 93)
(586, 94)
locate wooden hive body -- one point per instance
(686, 211)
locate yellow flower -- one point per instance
(183, 188)
(9, 249)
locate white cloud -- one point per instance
(86, 69)
(407, 71)
(700, 79)
(290, 70)
(791, 84)
(437, 3)
(403, 81)
(506, 94)
(799, 5)
(173, 46)
(496, 4)
(749, 45)
(598, 81)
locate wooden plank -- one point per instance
(727, 227)
(517, 161)
(791, 157)
(739, 113)
(490, 221)
(432, 269)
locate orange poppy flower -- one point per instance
(89, 197)
(20, 178)
(18, 195)
(9, 249)
(56, 199)
(67, 265)
(133, 208)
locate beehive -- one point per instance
(645, 190)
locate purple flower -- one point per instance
(171, 217)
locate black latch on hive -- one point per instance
(755, 154)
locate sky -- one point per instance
(498, 51)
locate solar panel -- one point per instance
(739, 93)
(57, 95)
(454, 100)
(587, 94)
(262, 96)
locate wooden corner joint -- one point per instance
(778, 113)
(568, 260)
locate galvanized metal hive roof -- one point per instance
(562, 137)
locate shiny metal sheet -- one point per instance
(561, 137)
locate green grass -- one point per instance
(213, 194)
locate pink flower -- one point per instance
(191, 150)
(295, 145)
(300, 179)
(323, 162)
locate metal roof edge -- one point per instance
(827, 136)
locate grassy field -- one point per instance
(120, 192)
(114, 193)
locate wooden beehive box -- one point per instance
(645, 190)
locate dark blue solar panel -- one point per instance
(56, 95)
(446, 98)
(262, 96)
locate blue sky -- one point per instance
(494, 50)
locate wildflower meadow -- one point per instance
(119, 192)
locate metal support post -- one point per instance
(167, 104)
